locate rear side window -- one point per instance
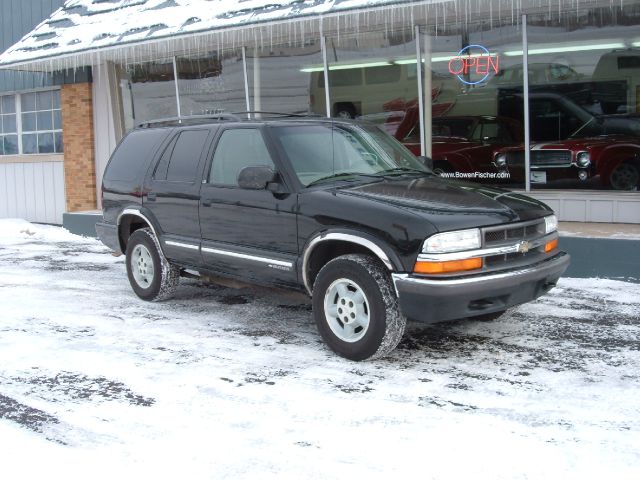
(342, 78)
(382, 74)
(628, 62)
(179, 161)
(130, 158)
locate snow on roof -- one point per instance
(83, 26)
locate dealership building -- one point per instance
(546, 90)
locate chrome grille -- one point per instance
(541, 158)
(497, 261)
(551, 157)
(511, 233)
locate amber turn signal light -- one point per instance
(448, 267)
(552, 245)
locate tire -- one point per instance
(488, 317)
(359, 289)
(626, 176)
(150, 274)
(344, 110)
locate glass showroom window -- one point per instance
(371, 75)
(282, 78)
(41, 122)
(148, 92)
(8, 130)
(474, 82)
(211, 83)
(584, 98)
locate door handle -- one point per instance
(151, 197)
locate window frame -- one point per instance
(206, 176)
(20, 132)
(169, 144)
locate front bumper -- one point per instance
(434, 300)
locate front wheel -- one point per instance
(356, 309)
(150, 274)
(625, 176)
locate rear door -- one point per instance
(172, 193)
(250, 234)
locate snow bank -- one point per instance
(16, 230)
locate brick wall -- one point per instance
(79, 158)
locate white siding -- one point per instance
(587, 206)
(33, 191)
(107, 125)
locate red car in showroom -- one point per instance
(604, 147)
(465, 144)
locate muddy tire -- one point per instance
(356, 308)
(150, 274)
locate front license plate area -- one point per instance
(538, 177)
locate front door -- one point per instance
(250, 234)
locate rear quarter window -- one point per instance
(131, 157)
(180, 159)
(185, 156)
(629, 62)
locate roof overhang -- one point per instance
(89, 32)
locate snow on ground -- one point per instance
(223, 383)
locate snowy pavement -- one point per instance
(224, 383)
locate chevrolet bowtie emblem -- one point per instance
(523, 247)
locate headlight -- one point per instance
(500, 160)
(550, 224)
(583, 159)
(453, 241)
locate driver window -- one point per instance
(237, 149)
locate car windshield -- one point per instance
(453, 127)
(325, 152)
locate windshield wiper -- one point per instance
(343, 174)
(401, 170)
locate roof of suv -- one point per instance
(241, 117)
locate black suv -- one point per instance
(336, 208)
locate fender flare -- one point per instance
(137, 212)
(371, 243)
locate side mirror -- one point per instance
(426, 161)
(255, 178)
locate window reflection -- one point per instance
(371, 75)
(284, 78)
(211, 83)
(148, 92)
(585, 129)
(472, 86)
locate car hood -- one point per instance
(451, 205)
(575, 144)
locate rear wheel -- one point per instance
(344, 110)
(150, 274)
(356, 309)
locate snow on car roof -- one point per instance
(100, 25)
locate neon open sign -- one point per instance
(474, 62)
